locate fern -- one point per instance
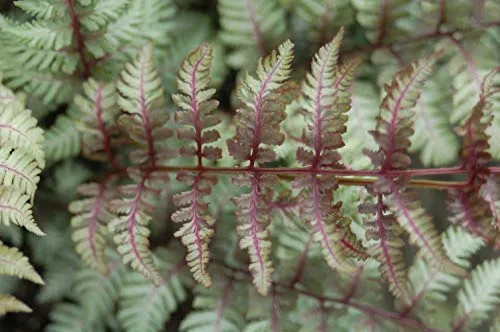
(220, 308)
(433, 137)
(99, 294)
(195, 100)
(90, 232)
(66, 40)
(468, 207)
(325, 17)
(383, 20)
(9, 303)
(413, 218)
(394, 125)
(277, 193)
(21, 161)
(468, 73)
(62, 140)
(478, 296)
(146, 307)
(70, 317)
(15, 264)
(141, 99)
(432, 285)
(251, 28)
(98, 111)
(129, 228)
(256, 132)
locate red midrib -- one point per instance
(132, 221)
(145, 118)
(318, 216)
(255, 223)
(196, 221)
(102, 126)
(383, 240)
(258, 112)
(195, 108)
(392, 130)
(408, 217)
(80, 40)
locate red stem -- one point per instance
(79, 37)
(102, 128)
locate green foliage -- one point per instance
(251, 28)
(280, 142)
(21, 161)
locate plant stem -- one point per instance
(79, 38)
(344, 176)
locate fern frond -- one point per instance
(479, 296)
(41, 9)
(469, 210)
(62, 140)
(9, 303)
(69, 317)
(326, 98)
(250, 25)
(15, 208)
(432, 284)
(196, 231)
(14, 263)
(102, 13)
(384, 20)
(148, 20)
(194, 28)
(219, 308)
(196, 119)
(411, 215)
(197, 104)
(395, 121)
(129, 228)
(146, 307)
(468, 207)
(362, 120)
(325, 17)
(99, 294)
(257, 132)
(19, 170)
(258, 122)
(461, 245)
(19, 128)
(491, 194)
(269, 313)
(433, 137)
(432, 287)
(385, 245)
(324, 219)
(473, 57)
(40, 46)
(89, 223)
(98, 111)
(141, 99)
(50, 87)
(253, 218)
